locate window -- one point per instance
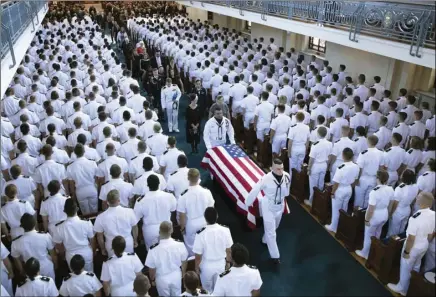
(247, 25)
(317, 44)
(210, 16)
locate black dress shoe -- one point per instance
(276, 261)
(263, 243)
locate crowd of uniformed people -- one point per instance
(87, 170)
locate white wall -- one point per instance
(360, 62)
(196, 13)
(258, 30)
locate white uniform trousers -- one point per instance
(376, 223)
(215, 92)
(87, 197)
(430, 260)
(279, 142)
(407, 265)
(124, 290)
(169, 284)
(335, 166)
(393, 178)
(298, 152)
(398, 222)
(262, 129)
(340, 201)
(236, 107)
(86, 253)
(129, 245)
(46, 268)
(192, 226)
(366, 184)
(209, 272)
(248, 119)
(151, 235)
(6, 282)
(317, 177)
(271, 221)
(172, 110)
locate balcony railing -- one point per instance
(407, 23)
(16, 16)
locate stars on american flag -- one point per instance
(235, 151)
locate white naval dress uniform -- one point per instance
(140, 186)
(320, 152)
(272, 206)
(35, 244)
(404, 194)
(80, 285)
(193, 202)
(338, 148)
(345, 176)
(426, 182)
(211, 243)
(83, 173)
(167, 257)
(264, 112)
(121, 273)
(26, 186)
(178, 182)
(379, 197)
(369, 162)
(75, 234)
(169, 161)
(52, 207)
(154, 208)
(124, 188)
(40, 286)
(421, 224)
(157, 143)
(238, 281)
(116, 221)
(215, 133)
(299, 134)
(280, 124)
(249, 104)
(393, 157)
(6, 281)
(11, 213)
(48, 171)
(170, 101)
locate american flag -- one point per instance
(237, 174)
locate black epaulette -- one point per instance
(130, 254)
(376, 188)
(39, 165)
(353, 115)
(16, 237)
(105, 183)
(293, 125)
(425, 174)
(21, 283)
(42, 232)
(410, 151)
(154, 245)
(364, 152)
(337, 141)
(334, 105)
(22, 201)
(225, 273)
(184, 192)
(5, 136)
(57, 224)
(402, 185)
(397, 126)
(25, 176)
(138, 177)
(416, 215)
(252, 266)
(316, 143)
(370, 113)
(315, 108)
(412, 124)
(124, 142)
(45, 199)
(140, 198)
(45, 278)
(203, 291)
(356, 140)
(110, 258)
(165, 152)
(342, 166)
(174, 172)
(201, 230)
(388, 150)
(150, 136)
(67, 277)
(134, 158)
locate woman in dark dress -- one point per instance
(193, 119)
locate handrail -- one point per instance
(11, 45)
(402, 22)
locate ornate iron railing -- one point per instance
(16, 16)
(413, 24)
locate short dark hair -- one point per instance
(118, 245)
(28, 222)
(70, 207)
(240, 254)
(182, 161)
(153, 182)
(408, 177)
(53, 187)
(211, 215)
(147, 163)
(77, 263)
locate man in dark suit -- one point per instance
(158, 61)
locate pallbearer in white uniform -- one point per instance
(170, 96)
(275, 186)
(420, 231)
(217, 129)
(377, 213)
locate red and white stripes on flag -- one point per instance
(237, 174)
